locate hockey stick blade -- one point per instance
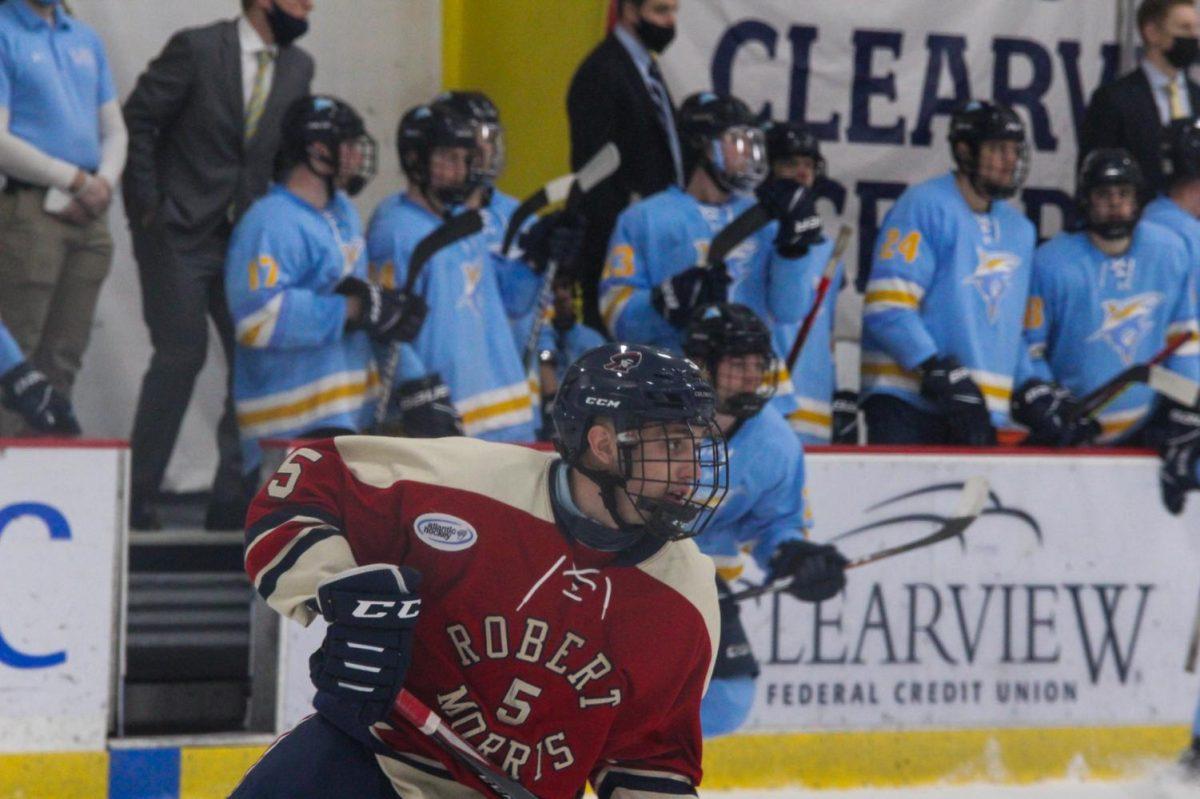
(415, 712)
(1174, 386)
(839, 249)
(970, 504)
(743, 226)
(599, 166)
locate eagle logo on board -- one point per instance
(992, 276)
(624, 361)
(1126, 323)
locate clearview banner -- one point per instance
(877, 80)
(1069, 602)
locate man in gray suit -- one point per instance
(203, 130)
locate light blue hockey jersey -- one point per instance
(296, 369)
(10, 353)
(466, 337)
(766, 503)
(567, 345)
(946, 281)
(666, 233)
(519, 285)
(1091, 315)
(811, 384)
(1166, 212)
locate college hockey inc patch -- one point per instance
(445, 532)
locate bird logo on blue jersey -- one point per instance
(472, 273)
(1126, 323)
(992, 276)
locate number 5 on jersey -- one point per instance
(290, 470)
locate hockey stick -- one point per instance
(742, 227)
(599, 166)
(1101, 397)
(839, 249)
(1193, 650)
(415, 712)
(454, 229)
(595, 171)
(970, 505)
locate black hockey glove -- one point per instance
(555, 237)
(1180, 469)
(422, 408)
(387, 315)
(1048, 410)
(948, 384)
(845, 418)
(735, 658)
(818, 571)
(361, 664)
(27, 392)
(676, 297)
(792, 205)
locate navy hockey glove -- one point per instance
(948, 384)
(845, 418)
(360, 667)
(1174, 430)
(555, 237)
(422, 408)
(27, 391)
(1048, 410)
(818, 571)
(676, 297)
(387, 315)
(792, 205)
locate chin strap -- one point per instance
(626, 535)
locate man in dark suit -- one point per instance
(618, 95)
(1132, 111)
(203, 130)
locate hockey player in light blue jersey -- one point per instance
(1179, 208)
(1102, 299)
(560, 343)
(764, 510)
(466, 349)
(652, 282)
(295, 278)
(947, 290)
(27, 392)
(795, 154)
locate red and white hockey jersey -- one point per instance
(559, 662)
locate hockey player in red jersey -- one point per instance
(550, 609)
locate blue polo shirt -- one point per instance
(53, 80)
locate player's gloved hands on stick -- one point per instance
(1048, 410)
(26, 391)
(676, 297)
(793, 205)
(361, 665)
(844, 429)
(1174, 430)
(422, 408)
(818, 571)
(555, 237)
(388, 315)
(947, 383)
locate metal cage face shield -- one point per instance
(675, 475)
(454, 172)
(489, 139)
(745, 383)
(358, 163)
(739, 158)
(991, 183)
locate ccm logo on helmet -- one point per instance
(380, 608)
(602, 402)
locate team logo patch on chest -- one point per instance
(993, 275)
(1126, 323)
(445, 532)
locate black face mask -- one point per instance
(1183, 52)
(284, 27)
(656, 37)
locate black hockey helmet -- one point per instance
(323, 119)
(648, 395)
(427, 127)
(705, 121)
(979, 121)
(1181, 149)
(729, 330)
(489, 132)
(789, 139)
(1108, 167)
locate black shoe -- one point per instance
(226, 514)
(143, 516)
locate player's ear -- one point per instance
(602, 443)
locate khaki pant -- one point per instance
(50, 278)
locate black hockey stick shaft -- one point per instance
(418, 714)
(1098, 399)
(970, 504)
(742, 227)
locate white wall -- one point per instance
(380, 55)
